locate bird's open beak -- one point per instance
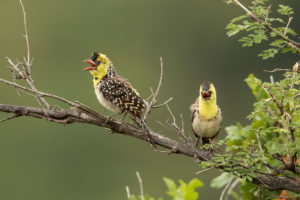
(205, 95)
(92, 63)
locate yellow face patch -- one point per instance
(101, 70)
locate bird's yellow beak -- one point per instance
(92, 63)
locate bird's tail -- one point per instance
(147, 132)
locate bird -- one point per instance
(206, 115)
(113, 91)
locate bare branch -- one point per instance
(68, 116)
(26, 73)
(154, 96)
(41, 94)
(164, 103)
(9, 118)
(26, 33)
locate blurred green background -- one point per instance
(43, 160)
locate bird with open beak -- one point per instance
(206, 115)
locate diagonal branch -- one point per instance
(68, 116)
(291, 43)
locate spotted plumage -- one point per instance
(113, 91)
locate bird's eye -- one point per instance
(97, 62)
(209, 92)
(96, 78)
(94, 57)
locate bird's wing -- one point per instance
(117, 91)
(193, 109)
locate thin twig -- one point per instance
(127, 192)
(153, 100)
(225, 189)
(232, 186)
(42, 94)
(163, 104)
(205, 170)
(280, 106)
(26, 74)
(287, 26)
(11, 117)
(141, 184)
(260, 148)
(281, 69)
(271, 79)
(26, 32)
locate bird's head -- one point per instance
(207, 92)
(100, 64)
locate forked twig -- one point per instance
(154, 95)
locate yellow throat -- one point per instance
(101, 64)
(208, 108)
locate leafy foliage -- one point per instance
(270, 144)
(184, 191)
(257, 31)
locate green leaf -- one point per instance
(194, 184)
(255, 86)
(239, 18)
(234, 29)
(190, 193)
(278, 43)
(259, 36)
(132, 197)
(184, 191)
(269, 53)
(221, 181)
(289, 49)
(247, 41)
(171, 186)
(285, 10)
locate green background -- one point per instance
(43, 160)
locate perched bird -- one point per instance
(206, 115)
(113, 91)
